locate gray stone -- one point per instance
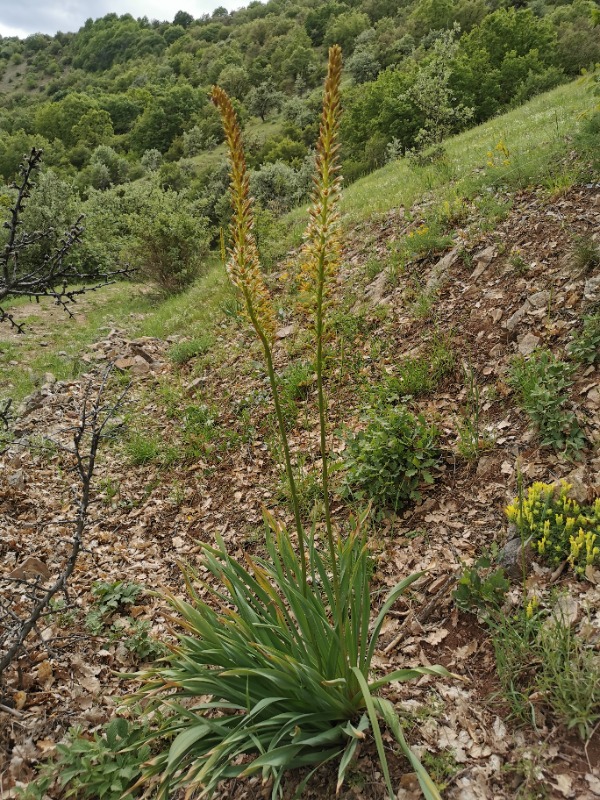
(438, 272)
(513, 321)
(540, 299)
(516, 558)
(528, 343)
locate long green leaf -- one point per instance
(368, 700)
(387, 711)
(391, 599)
(409, 675)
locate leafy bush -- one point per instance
(108, 599)
(391, 458)
(103, 767)
(558, 526)
(279, 187)
(479, 586)
(170, 246)
(541, 383)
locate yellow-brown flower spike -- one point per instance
(243, 265)
(321, 250)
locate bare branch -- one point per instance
(15, 627)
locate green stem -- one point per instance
(323, 428)
(282, 433)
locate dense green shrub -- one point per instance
(391, 458)
(585, 347)
(169, 249)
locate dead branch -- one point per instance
(16, 624)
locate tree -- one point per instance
(234, 79)
(432, 95)
(94, 128)
(183, 18)
(263, 99)
(165, 118)
(55, 274)
(344, 29)
(363, 65)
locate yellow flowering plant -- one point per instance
(273, 668)
(558, 526)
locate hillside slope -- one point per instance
(446, 283)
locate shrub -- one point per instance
(558, 526)
(170, 248)
(541, 383)
(391, 458)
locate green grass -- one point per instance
(533, 133)
(123, 305)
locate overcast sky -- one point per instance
(23, 17)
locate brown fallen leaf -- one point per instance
(30, 567)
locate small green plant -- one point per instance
(108, 599)
(137, 639)
(515, 640)
(294, 385)
(585, 347)
(182, 352)
(586, 254)
(472, 439)
(541, 383)
(420, 375)
(308, 487)
(558, 526)
(517, 261)
(64, 615)
(442, 767)
(391, 459)
(142, 448)
(99, 767)
(110, 489)
(414, 378)
(539, 654)
(481, 587)
(425, 240)
(570, 677)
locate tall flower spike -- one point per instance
(243, 265)
(321, 250)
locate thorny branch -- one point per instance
(17, 624)
(54, 276)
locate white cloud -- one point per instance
(30, 16)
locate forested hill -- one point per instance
(123, 102)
